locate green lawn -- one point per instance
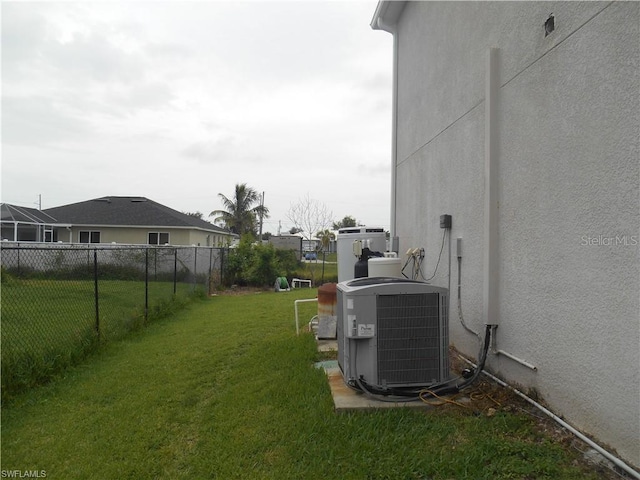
(50, 324)
(225, 389)
(318, 271)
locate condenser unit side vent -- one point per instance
(409, 338)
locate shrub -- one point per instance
(258, 264)
(238, 262)
(288, 261)
(264, 267)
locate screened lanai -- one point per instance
(22, 224)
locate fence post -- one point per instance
(208, 287)
(95, 290)
(146, 285)
(195, 268)
(222, 254)
(175, 270)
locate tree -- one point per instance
(347, 221)
(309, 216)
(294, 230)
(325, 237)
(195, 214)
(242, 210)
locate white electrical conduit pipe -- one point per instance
(394, 123)
(615, 460)
(494, 351)
(515, 359)
(491, 254)
(295, 306)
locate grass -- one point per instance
(225, 389)
(314, 270)
(48, 325)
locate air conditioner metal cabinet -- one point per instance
(392, 332)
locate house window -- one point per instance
(158, 238)
(89, 237)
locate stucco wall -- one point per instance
(140, 236)
(567, 130)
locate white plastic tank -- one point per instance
(377, 241)
(387, 266)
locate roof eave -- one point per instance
(387, 14)
(148, 227)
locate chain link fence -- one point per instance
(60, 302)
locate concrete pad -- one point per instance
(327, 345)
(346, 399)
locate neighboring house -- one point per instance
(521, 121)
(125, 220)
(22, 224)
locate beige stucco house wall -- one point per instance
(140, 235)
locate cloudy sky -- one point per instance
(179, 101)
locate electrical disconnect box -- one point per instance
(445, 221)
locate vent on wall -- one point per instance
(549, 25)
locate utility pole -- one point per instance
(261, 209)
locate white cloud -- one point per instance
(178, 101)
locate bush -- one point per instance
(289, 262)
(264, 267)
(258, 264)
(238, 262)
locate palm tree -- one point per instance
(241, 214)
(325, 237)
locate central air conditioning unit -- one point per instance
(392, 332)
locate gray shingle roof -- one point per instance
(14, 213)
(127, 211)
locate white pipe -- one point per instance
(394, 138)
(516, 359)
(295, 305)
(615, 460)
(490, 273)
(507, 354)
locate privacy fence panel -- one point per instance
(59, 302)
